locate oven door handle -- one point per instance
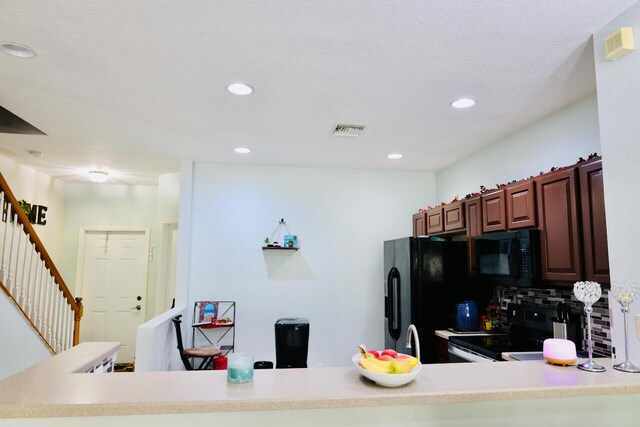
(469, 355)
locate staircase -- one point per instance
(31, 280)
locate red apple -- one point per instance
(375, 353)
(389, 352)
(386, 357)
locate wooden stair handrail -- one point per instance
(75, 304)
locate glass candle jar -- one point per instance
(240, 367)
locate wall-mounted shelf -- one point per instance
(289, 239)
(269, 248)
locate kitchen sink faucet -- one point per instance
(412, 331)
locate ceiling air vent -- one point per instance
(348, 130)
(619, 43)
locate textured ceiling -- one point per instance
(134, 86)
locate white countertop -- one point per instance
(51, 390)
(446, 334)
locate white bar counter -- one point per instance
(52, 389)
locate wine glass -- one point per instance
(625, 294)
(588, 293)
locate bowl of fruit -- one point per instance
(388, 367)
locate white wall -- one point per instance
(167, 212)
(110, 204)
(156, 343)
(168, 196)
(22, 347)
(619, 105)
(40, 189)
(335, 280)
(556, 140)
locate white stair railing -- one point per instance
(32, 281)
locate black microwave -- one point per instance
(511, 258)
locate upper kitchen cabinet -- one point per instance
(594, 226)
(435, 223)
(521, 205)
(473, 213)
(420, 224)
(559, 226)
(493, 212)
(454, 216)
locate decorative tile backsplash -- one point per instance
(601, 332)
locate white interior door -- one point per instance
(113, 283)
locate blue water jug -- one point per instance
(467, 317)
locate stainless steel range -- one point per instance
(528, 327)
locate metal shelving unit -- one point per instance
(210, 328)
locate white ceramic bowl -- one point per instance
(387, 380)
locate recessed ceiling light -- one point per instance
(98, 176)
(394, 156)
(240, 89)
(463, 103)
(17, 49)
(242, 150)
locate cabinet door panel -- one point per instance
(473, 211)
(559, 226)
(594, 227)
(420, 224)
(454, 216)
(434, 221)
(521, 210)
(493, 212)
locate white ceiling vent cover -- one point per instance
(619, 43)
(348, 130)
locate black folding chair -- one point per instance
(206, 353)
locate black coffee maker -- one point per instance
(292, 342)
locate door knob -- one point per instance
(139, 298)
(137, 307)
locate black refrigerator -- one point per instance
(424, 279)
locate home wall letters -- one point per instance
(37, 213)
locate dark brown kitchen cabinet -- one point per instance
(594, 227)
(521, 205)
(473, 213)
(493, 212)
(435, 223)
(453, 216)
(559, 226)
(420, 224)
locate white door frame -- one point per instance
(109, 228)
(163, 255)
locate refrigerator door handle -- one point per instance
(393, 291)
(388, 310)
